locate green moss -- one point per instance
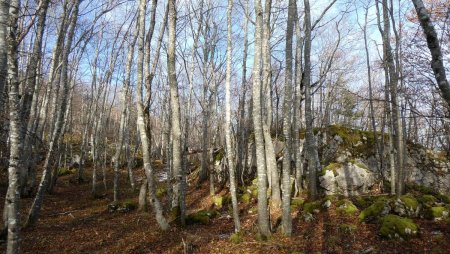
(359, 164)
(410, 202)
(64, 171)
(129, 205)
(219, 154)
(427, 200)
(362, 202)
(296, 203)
(245, 198)
(346, 207)
(347, 228)
(161, 191)
(422, 189)
(221, 201)
(331, 167)
(201, 217)
(235, 238)
(444, 198)
(174, 213)
(373, 211)
(437, 212)
(309, 207)
(396, 226)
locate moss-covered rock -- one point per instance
(444, 198)
(129, 205)
(312, 207)
(406, 205)
(437, 213)
(124, 207)
(393, 226)
(346, 207)
(410, 201)
(296, 203)
(362, 202)
(201, 217)
(331, 167)
(376, 210)
(427, 200)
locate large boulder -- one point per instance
(348, 179)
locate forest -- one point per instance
(238, 126)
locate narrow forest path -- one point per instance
(72, 221)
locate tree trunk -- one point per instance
(287, 108)
(263, 217)
(311, 144)
(437, 63)
(143, 130)
(271, 163)
(228, 137)
(178, 199)
(16, 146)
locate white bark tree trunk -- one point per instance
(228, 137)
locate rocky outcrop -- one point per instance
(343, 145)
(348, 179)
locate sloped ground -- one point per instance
(72, 221)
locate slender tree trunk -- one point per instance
(143, 130)
(271, 163)
(297, 118)
(287, 108)
(4, 12)
(311, 144)
(242, 141)
(123, 117)
(263, 217)
(372, 111)
(178, 199)
(12, 202)
(228, 137)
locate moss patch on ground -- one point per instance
(65, 171)
(202, 217)
(393, 226)
(347, 228)
(296, 203)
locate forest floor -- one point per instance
(73, 221)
